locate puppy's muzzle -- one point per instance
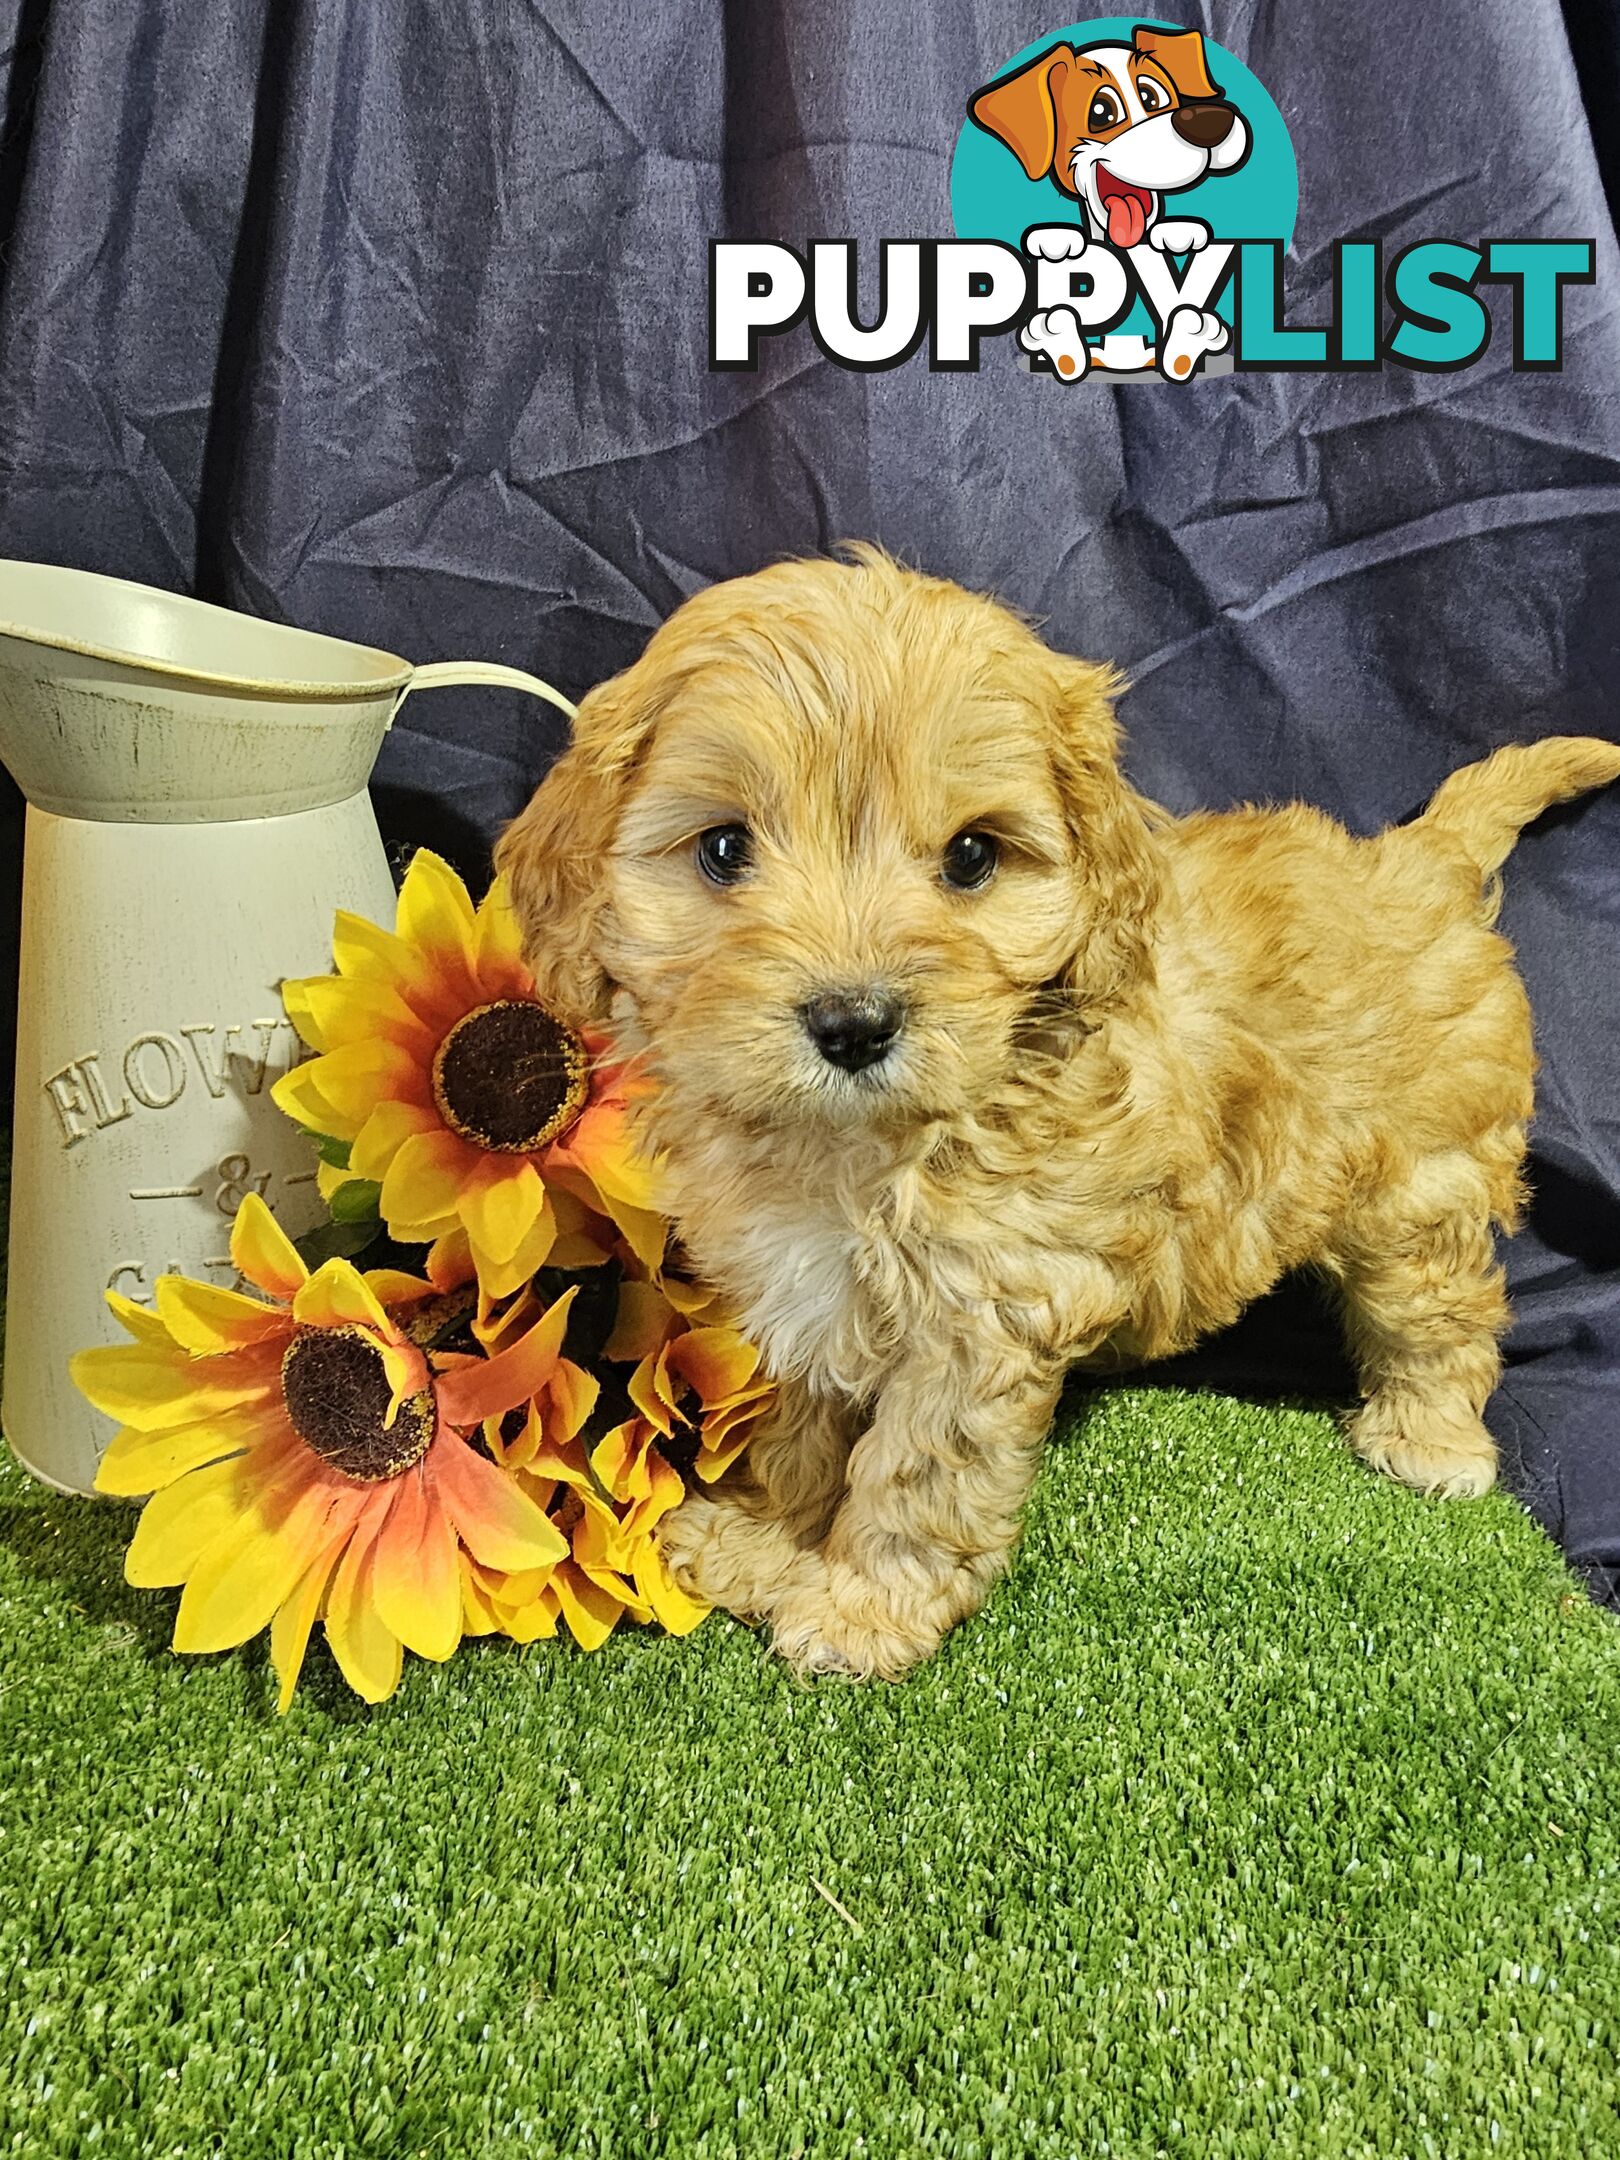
(1203, 125)
(853, 1028)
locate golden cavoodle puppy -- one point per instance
(975, 1065)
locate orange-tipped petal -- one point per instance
(717, 1361)
(417, 1576)
(262, 1252)
(485, 1387)
(497, 1523)
(450, 1263)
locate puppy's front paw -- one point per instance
(833, 1629)
(1447, 1453)
(1055, 243)
(1178, 236)
(720, 1552)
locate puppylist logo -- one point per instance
(1123, 194)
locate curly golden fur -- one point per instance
(1149, 1066)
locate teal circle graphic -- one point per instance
(993, 199)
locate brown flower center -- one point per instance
(337, 1394)
(508, 1077)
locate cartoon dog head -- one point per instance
(1117, 126)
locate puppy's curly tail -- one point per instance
(1486, 806)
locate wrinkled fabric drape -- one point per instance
(391, 322)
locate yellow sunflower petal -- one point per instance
(207, 1320)
(337, 1295)
(179, 1522)
(426, 1176)
(478, 1613)
(417, 1579)
(338, 1092)
(145, 1385)
(366, 1648)
(500, 1204)
(330, 1011)
(139, 1462)
(498, 958)
(290, 1629)
(262, 1252)
(674, 1611)
(711, 1462)
(294, 998)
(435, 913)
(385, 1132)
(140, 1321)
(644, 1322)
(364, 951)
(716, 1361)
(245, 1573)
(571, 1396)
(591, 1612)
(501, 1278)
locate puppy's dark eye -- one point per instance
(724, 853)
(970, 860)
(1105, 111)
(1153, 98)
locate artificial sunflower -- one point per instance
(476, 1112)
(308, 1456)
(614, 1567)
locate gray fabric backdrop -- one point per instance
(390, 321)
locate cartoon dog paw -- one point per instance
(1056, 335)
(1178, 236)
(1189, 335)
(1055, 243)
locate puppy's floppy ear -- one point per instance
(1021, 109)
(553, 855)
(1181, 54)
(1117, 868)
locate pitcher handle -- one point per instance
(454, 674)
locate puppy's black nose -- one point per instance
(852, 1028)
(1203, 125)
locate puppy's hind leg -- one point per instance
(1425, 1310)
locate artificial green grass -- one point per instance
(1265, 1810)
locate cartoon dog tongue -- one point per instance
(1127, 218)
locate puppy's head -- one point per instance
(1117, 126)
(839, 847)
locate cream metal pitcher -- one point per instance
(197, 810)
